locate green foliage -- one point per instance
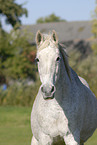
(50, 18)
(5, 52)
(15, 125)
(94, 47)
(16, 56)
(19, 94)
(12, 11)
(94, 30)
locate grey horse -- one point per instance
(65, 109)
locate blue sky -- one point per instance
(71, 10)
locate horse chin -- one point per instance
(48, 97)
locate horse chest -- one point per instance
(51, 118)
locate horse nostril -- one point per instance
(52, 90)
(47, 89)
(42, 89)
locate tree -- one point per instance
(16, 57)
(4, 53)
(94, 30)
(12, 12)
(50, 18)
(15, 50)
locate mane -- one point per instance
(47, 41)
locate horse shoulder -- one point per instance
(85, 96)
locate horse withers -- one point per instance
(65, 109)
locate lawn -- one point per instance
(15, 127)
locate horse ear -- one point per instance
(39, 37)
(54, 36)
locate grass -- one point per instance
(15, 127)
(92, 140)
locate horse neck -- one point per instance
(63, 84)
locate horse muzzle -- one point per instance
(48, 91)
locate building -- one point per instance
(75, 34)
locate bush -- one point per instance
(22, 95)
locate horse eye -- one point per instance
(37, 59)
(58, 58)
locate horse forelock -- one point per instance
(47, 41)
(62, 49)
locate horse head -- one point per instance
(49, 57)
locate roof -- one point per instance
(67, 31)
